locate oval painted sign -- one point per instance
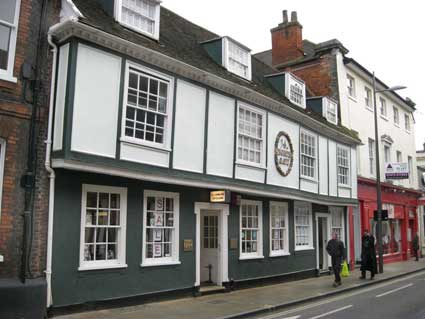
(283, 154)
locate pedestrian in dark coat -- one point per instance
(368, 255)
(336, 250)
(415, 246)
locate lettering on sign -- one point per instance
(283, 154)
(220, 197)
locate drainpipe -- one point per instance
(51, 172)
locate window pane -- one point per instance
(4, 45)
(7, 10)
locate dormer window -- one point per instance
(237, 59)
(295, 90)
(139, 15)
(330, 110)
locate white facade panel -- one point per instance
(323, 166)
(277, 124)
(189, 129)
(60, 97)
(247, 173)
(309, 186)
(333, 190)
(353, 172)
(220, 147)
(96, 102)
(344, 192)
(145, 155)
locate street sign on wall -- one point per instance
(396, 171)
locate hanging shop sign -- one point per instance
(283, 154)
(220, 196)
(396, 171)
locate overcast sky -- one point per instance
(385, 36)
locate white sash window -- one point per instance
(9, 19)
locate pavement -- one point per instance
(246, 303)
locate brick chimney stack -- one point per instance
(287, 40)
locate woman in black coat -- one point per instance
(368, 255)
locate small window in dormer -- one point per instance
(295, 90)
(139, 15)
(237, 59)
(330, 110)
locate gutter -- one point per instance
(48, 163)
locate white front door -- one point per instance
(322, 237)
(210, 246)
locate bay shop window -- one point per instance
(251, 229)
(303, 218)
(160, 228)
(103, 227)
(147, 107)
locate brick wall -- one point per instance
(17, 101)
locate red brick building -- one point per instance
(24, 92)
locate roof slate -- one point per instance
(181, 40)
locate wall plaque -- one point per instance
(233, 243)
(187, 245)
(283, 154)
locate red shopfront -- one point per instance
(402, 223)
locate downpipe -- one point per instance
(51, 173)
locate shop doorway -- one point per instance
(322, 237)
(211, 244)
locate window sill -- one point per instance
(398, 125)
(384, 117)
(8, 78)
(353, 98)
(369, 109)
(251, 165)
(279, 254)
(408, 132)
(251, 257)
(310, 179)
(161, 263)
(304, 248)
(344, 186)
(152, 146)
(101, 267)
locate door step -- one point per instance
(208, 290)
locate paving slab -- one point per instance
(245, 302)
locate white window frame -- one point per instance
(226, 57)
(371, 153)
(410, 166)
(7, 74)
(292, 79)
(338, 210)
(174, 259)
(346, 149)
(368, 98)
(304, 206)
(351, 90)
(250, 108)
(118, 17)
(399, 157)
(2, 164)
(315, 158)
(386, 145)
(166, 143)
(259, 253)
(407, 125)
(285, 250)
(120, 262)
(327, 102)
(396, 116)
(383, 107)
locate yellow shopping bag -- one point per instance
(344, 270)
